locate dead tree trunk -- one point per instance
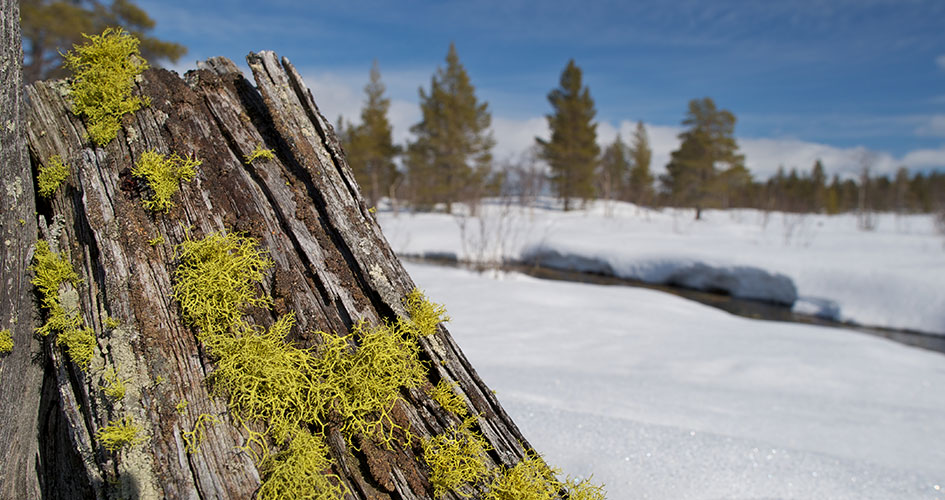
(20, 374)
(333, 267)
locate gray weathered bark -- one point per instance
(20, 376)
(332, 267)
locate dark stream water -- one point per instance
(748, 308)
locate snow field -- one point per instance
(662, 398)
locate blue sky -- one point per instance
(844, 80)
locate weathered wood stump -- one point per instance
(332, 268)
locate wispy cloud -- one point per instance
(940, 61)
(934, 126)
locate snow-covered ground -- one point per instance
(892, 276)
(663, 398)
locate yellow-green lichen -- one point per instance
(51, 271)
(423, 315)
(532, 479)
(265, 378)
(6, 341)
(114, 385)
(216, 279)
(181, 407)
(194, 437)
(158, 240)
(363, 384)
(259, 152)
(163, 174)
(444, 394)
(50, 177)
(103, 77)
(584, 490)
(111, 323)
(356, 378)
(119, 434)
(456, 457)
(79, 344)
(301, 471)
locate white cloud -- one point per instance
(341, 93)
(335, 95)
(934, 126)
(925, 158)
(764, 156)
(940, 61)
(512, 136)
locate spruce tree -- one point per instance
(818, 179)
(453, 142)
(371, 150)
(614, 170)
(707, 143)
(641, 179)
(572, 150)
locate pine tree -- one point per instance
(641, 180)
(733, 186)
(371, 150)
(614, 170)
(709, 142)
(453, 142)
(572, 151)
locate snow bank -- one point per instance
(890, 277)
(745, 282)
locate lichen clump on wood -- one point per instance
(163, 174)
(111, 323)
(194, 437)
(119, 434)
(51, 174)
(51, 272)
(363, 384)
(444, 394)
(103, 77)
(6, 341)
(259, 152)
(532, 479)
(423, 315)
(456, 457)
(114, 385)
(216, 279)
(299, 472)
(266, 379)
